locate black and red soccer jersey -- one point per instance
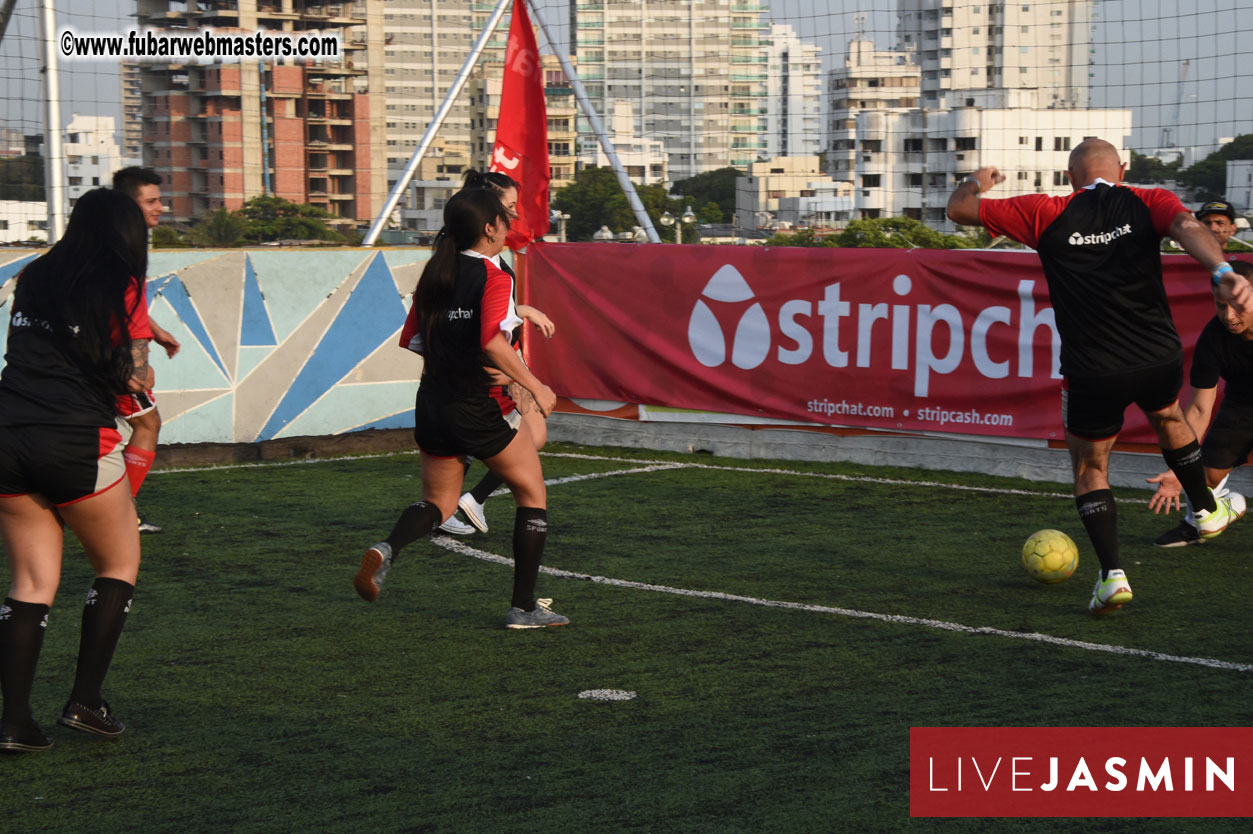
(1221, 353)
(45, 384)
(481, 307)
(1100, 251)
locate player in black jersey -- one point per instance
(78, 337)
(460, 322)
(515, 401)
(1223, 351)
(1100, 250)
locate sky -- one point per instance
(1139, 50)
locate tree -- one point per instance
(710, 187)
(219, 228)
(897, 233)
(596, 199)
(22, 178)
(1209, 175)
(804, 237)
(165, 237)
(879, 233)
(273, 218)
(1149, 169)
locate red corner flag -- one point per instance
(521, 149)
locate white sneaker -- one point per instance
(474, 512)
(1212, 524)
(455, 526)
(1114, 591)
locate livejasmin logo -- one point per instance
(1104, 237)
(844, 336)
(1080, 772)
(1026, 773)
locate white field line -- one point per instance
(861, 479)
(647, 465)
(661, 465)
(273, 463)
(449, 543)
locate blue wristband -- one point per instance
(1219, 271)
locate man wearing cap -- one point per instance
(1220, 216)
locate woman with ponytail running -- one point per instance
(460, 322)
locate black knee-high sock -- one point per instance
(104, 615)
(1185, 462)
(1100, 519)
(530, 530)
(22, 627)
(484, 488)
(416, 521)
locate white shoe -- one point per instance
(1112, 592)
(1213, 523)
(474, 512)
(457, 527)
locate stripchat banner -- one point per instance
(954, 341)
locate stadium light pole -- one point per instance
(667, 220)
(54, 171)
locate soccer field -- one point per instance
(782, 625)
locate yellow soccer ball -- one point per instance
(1050, 556)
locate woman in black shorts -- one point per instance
(78, 337)
(460, 322)
(515, 401)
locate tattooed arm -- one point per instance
(141, 378)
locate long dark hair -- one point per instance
(465, 215)
(492, 180)
(79, 285)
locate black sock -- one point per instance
(484, 488)
(22, 627)
(104, 615)
(1185, 462)
(416, 521)
(530, 529)
(1100, 519)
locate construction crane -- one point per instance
(1167, 139)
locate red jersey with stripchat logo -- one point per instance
(1100, 249)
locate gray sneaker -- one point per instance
(457, 527)
(374, 566)
(541, 617)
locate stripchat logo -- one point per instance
(1104, 237)
(750, 344)
(841, 330)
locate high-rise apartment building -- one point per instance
(694, 72)
(91, 155)
(793, 103)
(871, 81)
(1040, 45)
(222, 133)
(132, 113)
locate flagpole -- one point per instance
(641, 215)
(433, 128)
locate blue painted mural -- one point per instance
(276, 343)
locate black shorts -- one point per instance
(62, 463)
(1229, 441)
(450, 427)
(1093, 407)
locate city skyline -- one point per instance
(1140, 50)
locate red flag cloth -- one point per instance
(521, 149)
